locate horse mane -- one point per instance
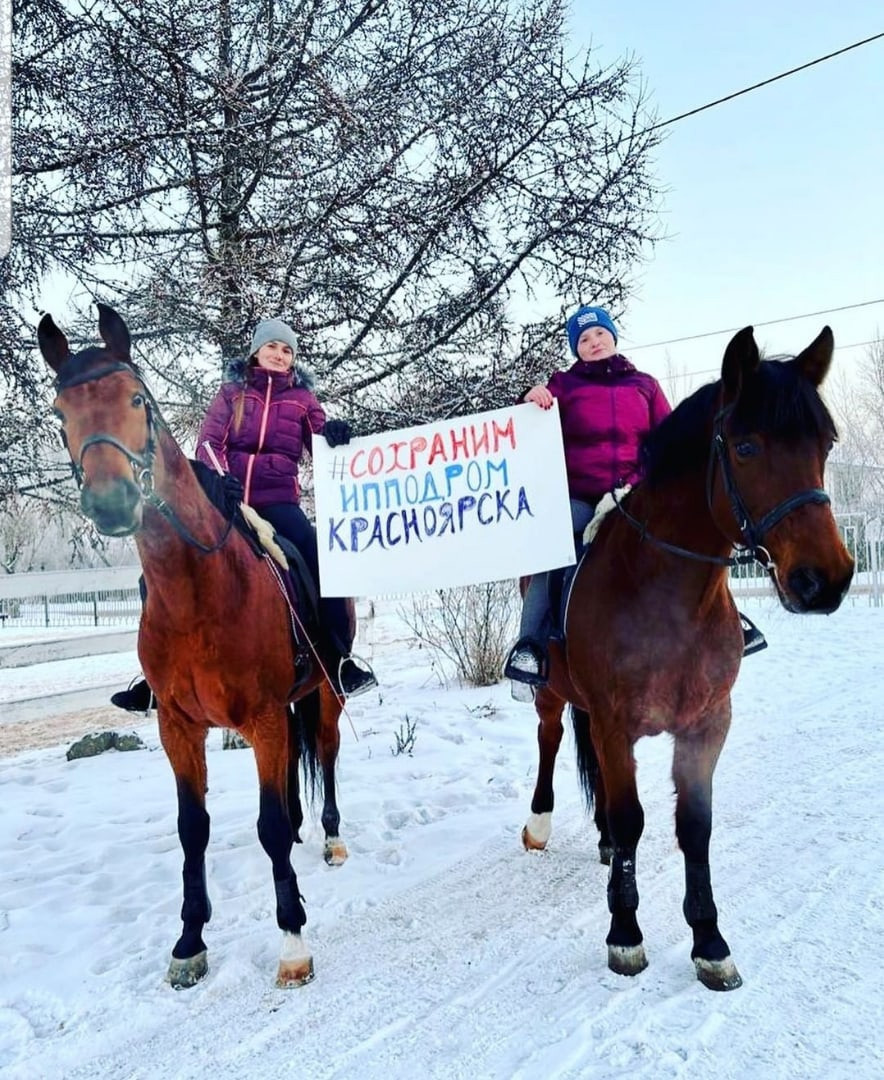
(775, 400)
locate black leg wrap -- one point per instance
(196, 908)
(622, 887)
(698, 903)
(290, 913)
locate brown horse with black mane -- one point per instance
(216, 639)
(652, 637)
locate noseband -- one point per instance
(141, 463)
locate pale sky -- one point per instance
(775, 200)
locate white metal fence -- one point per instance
(68, 598)
(110, 596)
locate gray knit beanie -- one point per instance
(273, 330)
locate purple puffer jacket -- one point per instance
(280, 416)
(606, 407)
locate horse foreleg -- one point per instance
(185, 749)
(328, 744)
(626, 819)
(536, 832)
(276, 836)
(692, 768)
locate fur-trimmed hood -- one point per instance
(237, 372)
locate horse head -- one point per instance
(107, 417)
(772, 435)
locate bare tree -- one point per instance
(398, 178)
(856, 471)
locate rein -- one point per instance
(141, 463)
(751, 532)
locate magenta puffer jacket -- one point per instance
(606, 407)
(280, 416)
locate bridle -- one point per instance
(752, 533)
(142, 463)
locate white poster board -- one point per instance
(457, 502)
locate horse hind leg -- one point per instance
(592, 781)
(693, 765)
(189, 963)
(317, 732)
(536, 832)
(327, 747)
(293, 779)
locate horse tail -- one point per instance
(587, 762)
(304, 733)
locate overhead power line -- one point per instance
(768, 322)
(764, 82)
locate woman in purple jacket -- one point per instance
(256, 429)
(606, 407)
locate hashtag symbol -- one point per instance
(339, 468)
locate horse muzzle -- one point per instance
(812, 590)
(115, 510)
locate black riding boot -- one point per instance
(350, 677)
(138, 698)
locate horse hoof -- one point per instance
(183, 974)
(335, 852)
(627, 959)
(294, 973)
(718, 974)
(606, 853)
(536, 834)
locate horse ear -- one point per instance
(741, 358)
(114, 332)
(814, 362)
(53, 344)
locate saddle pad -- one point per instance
(605, 505)
(265, 534)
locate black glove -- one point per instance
(336, 432)
(234, 492)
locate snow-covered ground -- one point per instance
(442, 949)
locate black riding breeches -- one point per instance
(291, 521)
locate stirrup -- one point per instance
(354, 679)
(527, 663)
(753, 639)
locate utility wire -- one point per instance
(717, 370)
(764, 82)
(769, 322)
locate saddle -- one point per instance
(301, 590)
(561, 580)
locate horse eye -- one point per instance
(746, 448)
(137, 400)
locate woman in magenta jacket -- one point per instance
(256, 429)
(606, 406)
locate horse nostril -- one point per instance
(807, 584)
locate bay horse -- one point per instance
(652, 636)
(215, 639)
